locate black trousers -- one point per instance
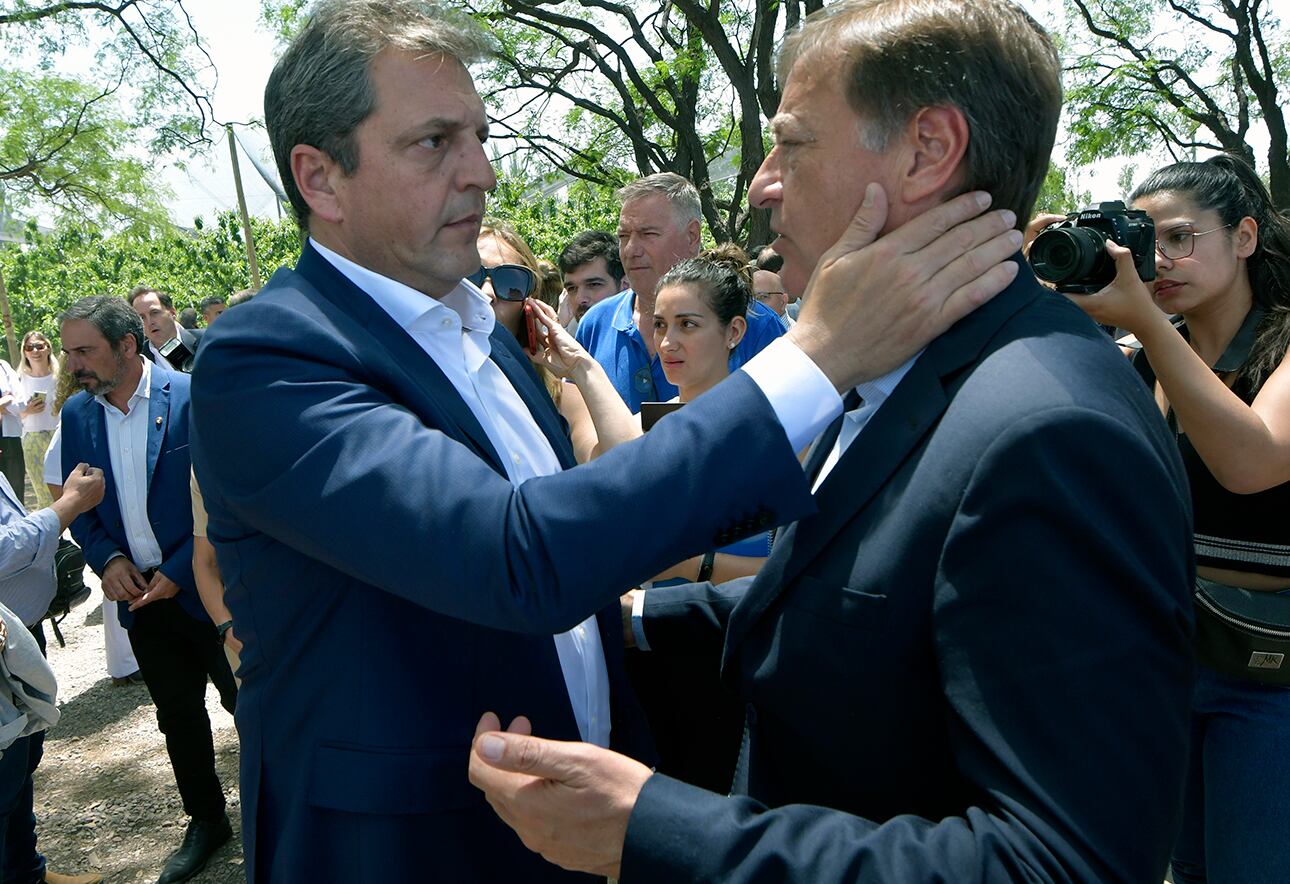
(12, 463)
(176, 653)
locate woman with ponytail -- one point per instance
(1220, 376)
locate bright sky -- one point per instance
(244, 54)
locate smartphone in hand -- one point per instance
(530, 325)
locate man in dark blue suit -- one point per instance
(383, 474)
(973, 662)
(132, 422)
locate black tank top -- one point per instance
(1240, 532)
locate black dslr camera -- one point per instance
(1072, 254)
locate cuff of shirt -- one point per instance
(638, 620)
(802, 397)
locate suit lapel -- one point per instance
(96, 436)
(158, 416)
(450, 414)
(898, 428)
(866, 465)
(535, 397)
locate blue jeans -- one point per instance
(1234, 821)
(23, 863)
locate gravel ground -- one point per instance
(105, 795)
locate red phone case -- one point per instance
(530, 324)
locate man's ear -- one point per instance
(314, 171)
(694, 233)
(936, 143)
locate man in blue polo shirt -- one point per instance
(658, 227)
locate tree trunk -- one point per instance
(14, 356)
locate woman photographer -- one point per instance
(1220, 376)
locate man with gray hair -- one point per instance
(659, 226)
(402, 538)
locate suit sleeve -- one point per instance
(179, 566)
(353, 479)
(690, 617)
(1062, 631)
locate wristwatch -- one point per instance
(223, 629)
(705, 567)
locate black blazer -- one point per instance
(973, 663)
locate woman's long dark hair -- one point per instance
(1228, 186)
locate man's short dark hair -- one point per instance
(140, 290)
(766, 258)
(213, 301)
(988, 58)
(187, 317)
(320, 89)
(241, 297)
(587, 247)
(114, 319)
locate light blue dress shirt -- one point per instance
(27, 547)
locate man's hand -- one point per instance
(84, 487)
(873, 302)
(122, 580)
(569, 802)
(160, 587)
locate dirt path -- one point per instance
(105, 795)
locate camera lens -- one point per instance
(1067, 254)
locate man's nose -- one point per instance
(766, 187)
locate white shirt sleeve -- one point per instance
(802, 397)
(54, 458)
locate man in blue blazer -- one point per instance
(401, 543)
(131, 421)
(973, 662)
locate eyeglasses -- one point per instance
(1181, 242)
(35, 348)
(511, 282)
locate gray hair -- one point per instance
(680, 194)
(988, 58)
(113, 317)
(321, 90)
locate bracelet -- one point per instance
(222, 630)
(705, 567)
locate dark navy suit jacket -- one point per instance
(101, 531)
(391, 585)
(973, 663)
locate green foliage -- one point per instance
(50, 272)
(1060, 194)
(150, 45)
(65, 144)
(283, 18)
(546, 222)
(1176, 79)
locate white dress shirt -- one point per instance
(872, 395)
(10, 417)
(453, 331)
(127, 440)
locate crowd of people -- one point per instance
(856, 556)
